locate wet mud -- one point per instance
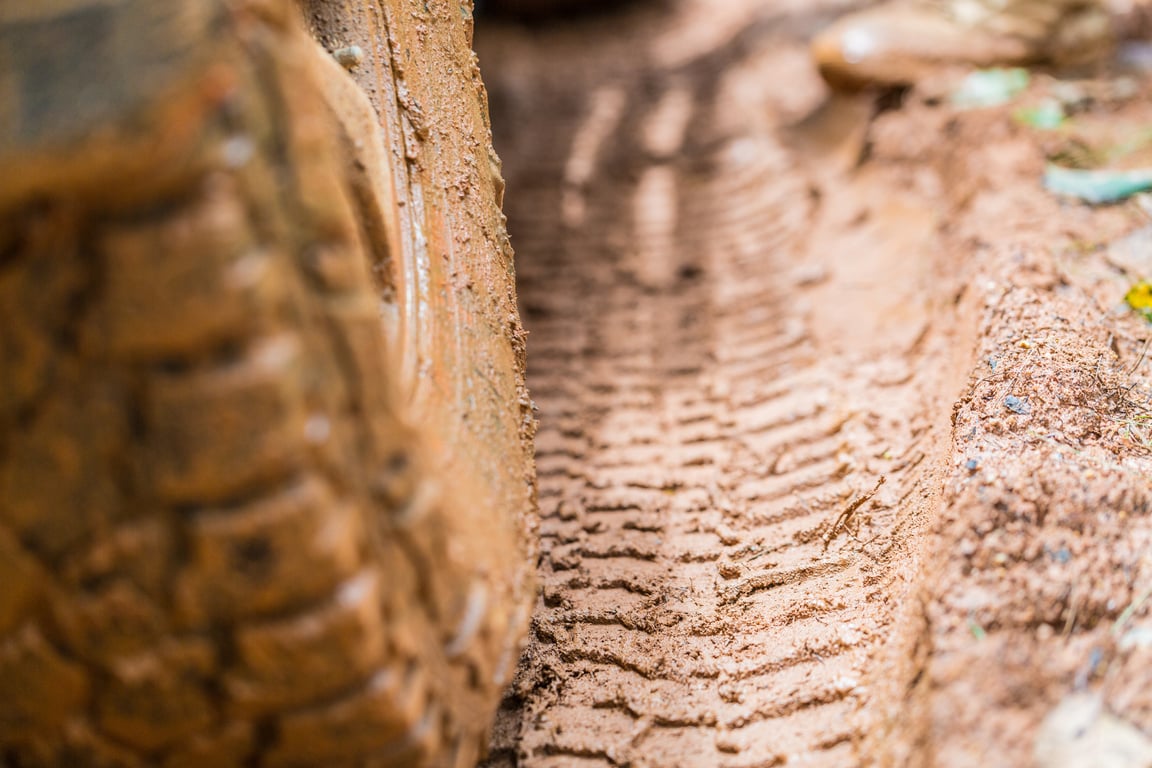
(842, 457)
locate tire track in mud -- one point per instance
(701, 430)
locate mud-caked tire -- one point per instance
(265, 470)
(538, 10)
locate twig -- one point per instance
(1143, 354)
(850, 510)
(1133, 607)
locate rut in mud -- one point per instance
(722, 375)
(735, 343)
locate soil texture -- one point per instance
(843, 450)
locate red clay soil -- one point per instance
(844, 428)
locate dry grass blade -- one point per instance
(846, 516)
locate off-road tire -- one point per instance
(537, 10)
(265, 468)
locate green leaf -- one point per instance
(990, 88)
(1048, 115)
(976, 630)
(1097, 186)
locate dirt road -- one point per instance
(787, 515)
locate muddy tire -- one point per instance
(265, 469)
(543, 9)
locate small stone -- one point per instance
(1017, 405)
(1137, 638)
(349, 57)
(1080, 732)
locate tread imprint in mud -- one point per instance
(697, 606)
(720, 585)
